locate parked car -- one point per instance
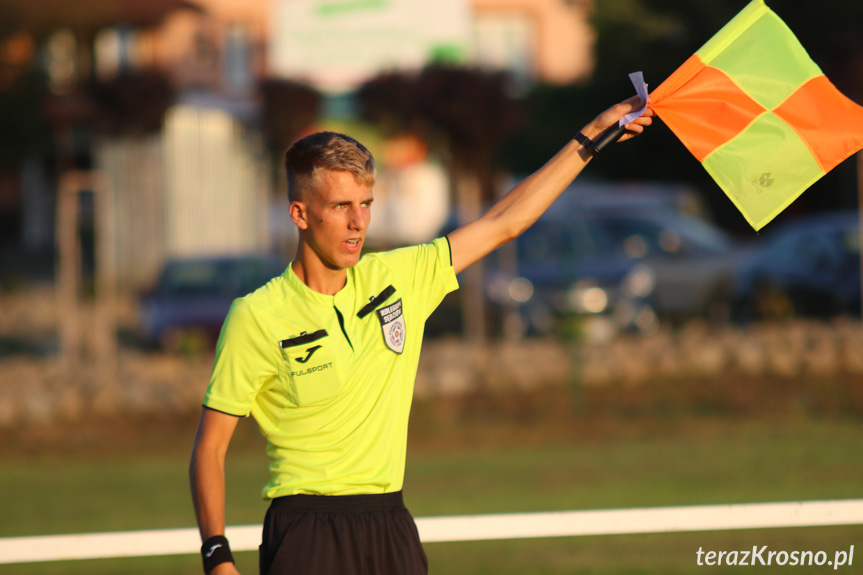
(617, 267)
(188, 304)
(808, 267)
(693, 263)
(563, 267)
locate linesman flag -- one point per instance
(759, 114)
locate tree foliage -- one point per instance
(288, 109)
(132, 103)
(23, 128)
(465, 114)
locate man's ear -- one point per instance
(299, 214)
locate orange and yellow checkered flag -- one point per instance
(759, 114)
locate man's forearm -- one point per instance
(525, 203)
(207, 479)
(207, 470)
(519, 208)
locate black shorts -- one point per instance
(341, 535)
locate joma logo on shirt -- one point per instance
(309, 353)
(311, 370)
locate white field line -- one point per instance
(461, 528)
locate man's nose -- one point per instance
(356, 220)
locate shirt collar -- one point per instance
(343, 296)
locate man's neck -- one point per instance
(318, 276)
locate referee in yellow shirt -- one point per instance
(324, 358)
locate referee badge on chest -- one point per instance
(393, 326)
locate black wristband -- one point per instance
(215, 551)
(586, 142)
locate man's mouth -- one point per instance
(353, 244)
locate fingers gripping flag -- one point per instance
(759, 114)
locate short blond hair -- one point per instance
(310, 155)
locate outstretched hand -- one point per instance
(611, 116)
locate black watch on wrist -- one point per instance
(605, 139)
(586, 142)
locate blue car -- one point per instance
(186, 308)
(809, 267)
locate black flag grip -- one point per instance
(607, 138)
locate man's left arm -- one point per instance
(524, 204)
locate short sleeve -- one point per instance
(427, 269)
(245, 363)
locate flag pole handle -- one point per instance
(607, 138)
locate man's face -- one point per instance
(337, 214)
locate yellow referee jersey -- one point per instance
(329, 378)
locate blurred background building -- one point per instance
(184, 107)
